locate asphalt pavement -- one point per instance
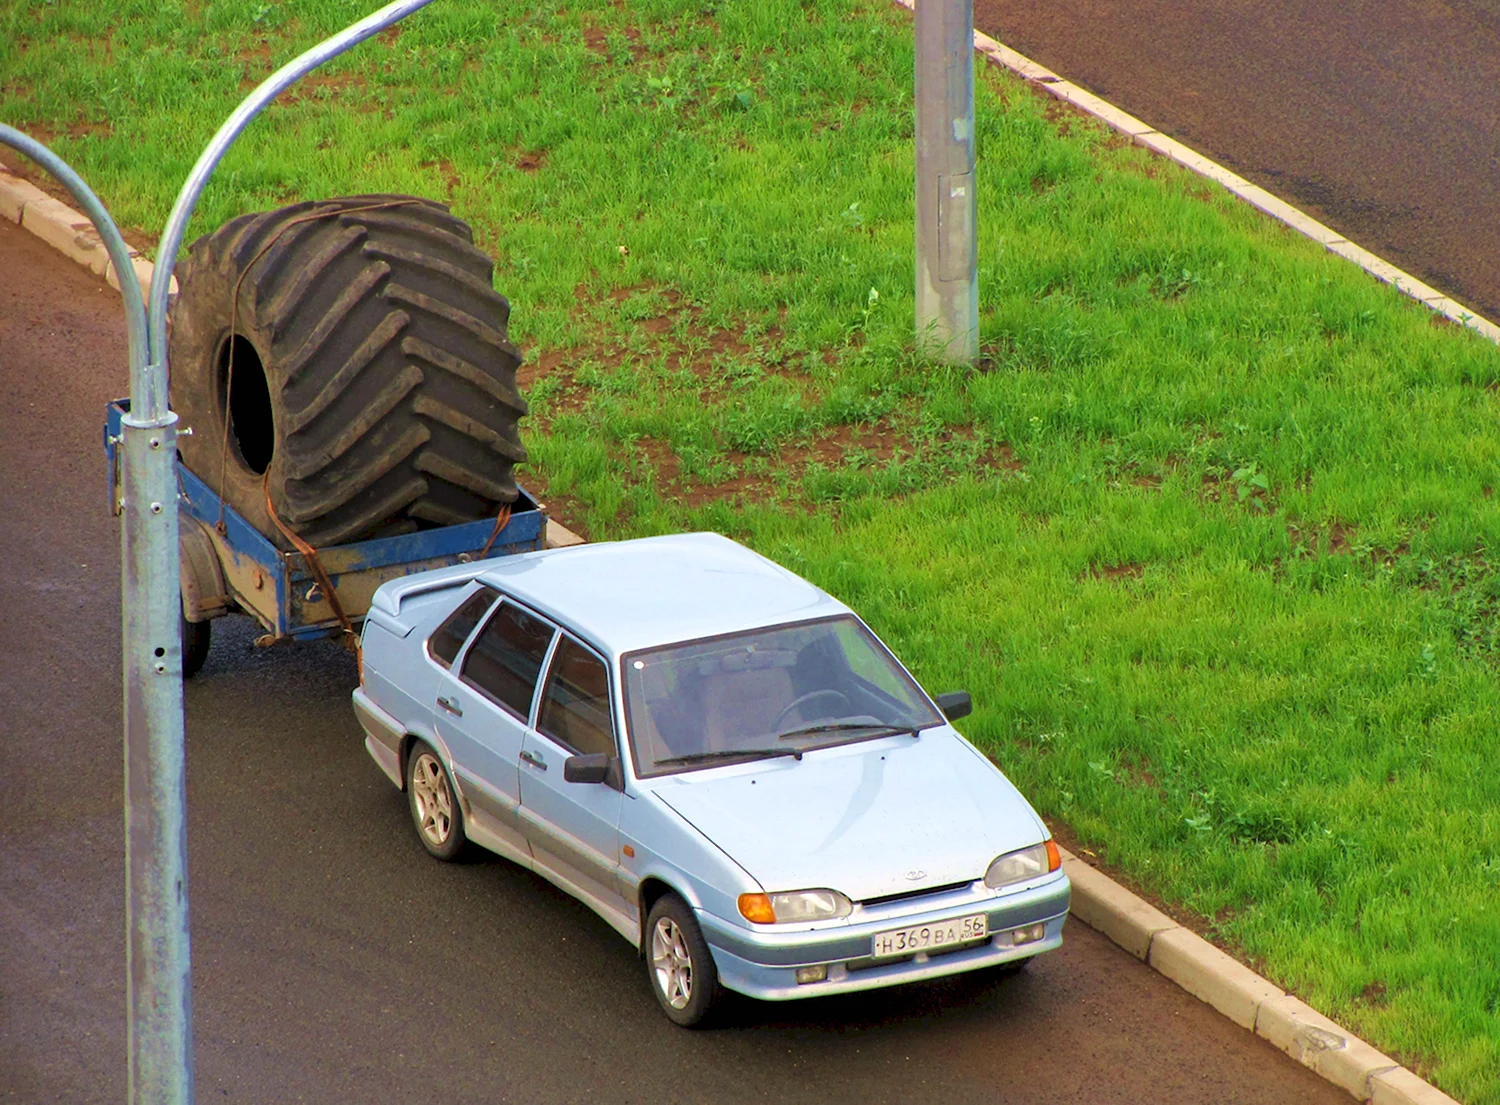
(333, 960)
(1380, 118)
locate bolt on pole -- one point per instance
(947, 255)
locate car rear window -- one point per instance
(507, 657)
(444, 644)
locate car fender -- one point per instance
(1041, 826)
(670, 850)
(428, 736)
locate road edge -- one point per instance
(1179, 954)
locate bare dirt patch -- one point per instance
(1132, 569)
(532, 161)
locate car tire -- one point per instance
(678, 963)
(196, 637)
(433, 802)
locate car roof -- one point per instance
(627, 595)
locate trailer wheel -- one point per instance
(365, 379)
(196, 637)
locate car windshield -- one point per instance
(765, 693)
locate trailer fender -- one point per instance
(202, 578)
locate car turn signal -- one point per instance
(757, 908)
(1054, 857)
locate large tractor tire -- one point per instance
(365, 379)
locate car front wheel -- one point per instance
(683, 976)
(434, 805)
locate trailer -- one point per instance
(229, 567)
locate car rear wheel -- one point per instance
(434, 804)
(683, 976)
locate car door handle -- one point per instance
(451, 706)
(534, 760)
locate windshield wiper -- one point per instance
(839, 726)
(732, 753)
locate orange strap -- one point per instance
(501, 521)
(310, 555)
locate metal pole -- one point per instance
(159, 1014)
(947, 272)
(158, 962)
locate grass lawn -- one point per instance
(1207, 534)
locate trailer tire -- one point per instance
(196, 638)
(372, 387)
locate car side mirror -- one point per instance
(593, 768)
(955, 704)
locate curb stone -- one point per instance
(1143, 134)
(560, 537)
(1252, 1002)
(1103, 904)
(15, 194)
(66, 230)
(1134, 924)
(1211, 975)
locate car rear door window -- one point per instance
(575, 707)
(444, 644)
(507, 657)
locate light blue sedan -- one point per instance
(713, 754)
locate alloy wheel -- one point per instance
(434, 800)
(671, 963)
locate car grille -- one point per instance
(924, 892)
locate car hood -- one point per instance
(869, 819)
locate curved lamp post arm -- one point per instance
(114, 245)
(192, 188)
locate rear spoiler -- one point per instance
(390, 596)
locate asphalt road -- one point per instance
(1378, 117)
(333, 960)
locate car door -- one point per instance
(482, 711)
(573, 828)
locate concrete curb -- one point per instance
(1143, 134)
(66, 230)
(1252, 1002)
(560, 537)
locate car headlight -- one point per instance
(1025, 864)
(794, 905)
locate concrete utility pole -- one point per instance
(947, 266)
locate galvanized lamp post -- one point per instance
(158, 968)
(947, 273)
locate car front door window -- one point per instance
(573, 828)
(575, 708)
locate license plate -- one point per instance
(921, 938)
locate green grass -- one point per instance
(1207, 535)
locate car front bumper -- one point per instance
(763, 962)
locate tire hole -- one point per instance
(251, 428)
